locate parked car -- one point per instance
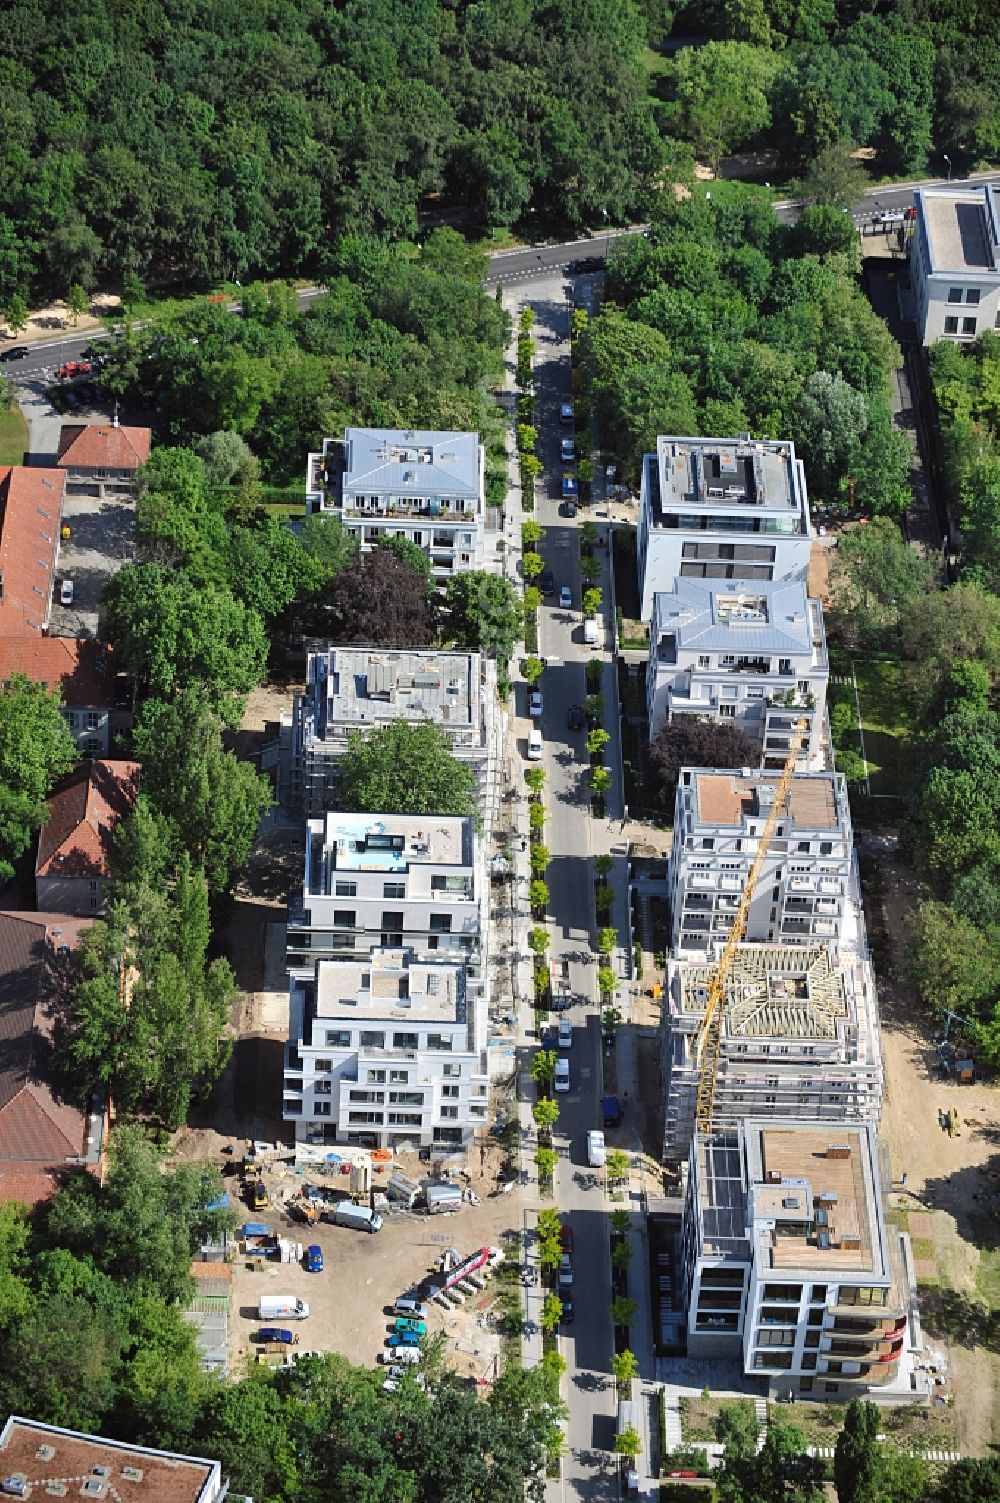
(595, 1148)
(565, 1271)
(402, 1338)
(562, 1081)
(565, 597)
(17, 352)
(569, 486)
(314, 1258)
(565, 412)
(412, 1307)
(535, 704)
(566, 1237)
(567, 1311)
(546, 581)
(407, 1323)
(567, 450)
(66, 592)
(568, 509)
(534, 745)
(576, 720)
(278, 1334)
(585, 263)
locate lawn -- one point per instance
(886, 725)
(13, 436)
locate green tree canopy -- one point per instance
(483, 613)
(36, 749)
(401, 768)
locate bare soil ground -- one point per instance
(953, 1183)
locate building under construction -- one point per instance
(798, 1040)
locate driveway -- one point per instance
(102, 538)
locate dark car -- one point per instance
(567, 1312)
(575, 718)
(18, 352)
(568, 509)
(314, 1258)
(276, 1333)
(566, 1237)
(586, 263)
(546, 581)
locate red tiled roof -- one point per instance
(73, 664)
(75, 840)
(30, 511)
(39, 1134)
(100, 446)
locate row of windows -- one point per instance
(375, 1039)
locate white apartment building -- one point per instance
(721, 508)
(752, 654)
(799, 1040)
(424, 486)
(788, 1263)
(363, 688)
(955, 261)
(808, 891)
(389, 881)
(385, 1050)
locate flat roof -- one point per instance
(364, 685)
(730, 798)
(773, 991)
(44, 1454)
(813, 1196)
(761, 474)
(399, 988)
(960, 224)
(394, 460)
(393, 842)
(722, 1195)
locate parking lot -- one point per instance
(100, 541)
(350, 1302)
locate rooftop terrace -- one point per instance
(729, 798)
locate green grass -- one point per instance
(13, 436)
(923, 1248)
(886, 724)
(654, 62)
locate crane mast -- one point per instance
(708, 1035)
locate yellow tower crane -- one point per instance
(708, 1035)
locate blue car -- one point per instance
(569, 486)
(314, 1259)
(403, 1338)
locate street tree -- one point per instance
(532, 670)
(543, 1068)
(551, 1315)
(546, 1160)
(538, 895)
(534, 780)
(624, 1367)
(600, 781)
(621, 1256)
(36, 749)
(603, 865)
(531, 532)
(16, 313)
(545, 1113)
(210, 800)
(623, 1310)
(77, 303)
(483, 613)
(597, 741)
(607, 940)
(692, 741)
(383, 600)
(538, 940)
(591, 602)
(405, 768)
(628, 1442)
(617, 1166)
(539, 858)
(607, 980)
(531, 565)
(590, 569)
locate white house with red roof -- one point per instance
(83, 671)
(101, 459)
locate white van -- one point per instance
(414, 1308)
(534, 744)
(595, 1149)
(282, 1307)
(361, 1218)
(562, 1075)
(593, 631)
(565, 1033)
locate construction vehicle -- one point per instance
(708, 1036)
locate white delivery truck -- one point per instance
(361, 1218)
(282, 1307)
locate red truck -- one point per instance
(73, 368)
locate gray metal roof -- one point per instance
(392, 461)
(734, 616)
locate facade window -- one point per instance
(809, 1361)
(968, 326)
(323, 1088)
(344, 918)
(325, 1066)
(954, 294)
(405, 1098)
(451, 1092)
(399, 1077)
(394, 890)
(449, 1113)
(337, 1039)
(704, 661)
(404, 1041)
(440, 923)
(451, 1070)
(92, 720)
(951, 326)
(806, 1385)
(440, 1041)
(322, 1108)
(376, 1077)
(346, 890)
(727, 712)
(391, 919)
(812, 1337)
(371, 1039)
(972, 295)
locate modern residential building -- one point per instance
(57, 1463)
(96, 700)
(42, 1137)
(754, 654)
(101, 459)
(391, 881)
(387, 1049)
(799, 1040)
(955, 261)
(31, 503)
(721, 508)
(73, 864)
(424, 486)
(808, 891)
(788, 1262)
(360, 688)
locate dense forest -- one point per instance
(215, 141)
